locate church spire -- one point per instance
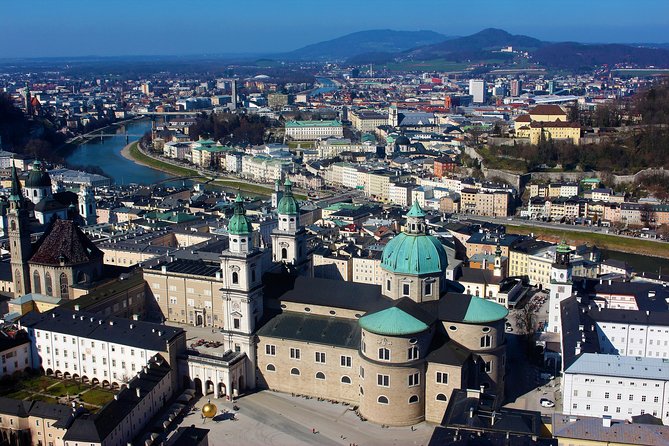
(16, 195)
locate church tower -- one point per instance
(19, 237)
(28, 104)
(289, 239)
(87, 206)
(497, 271)
(242, 293)
(393, 117)
(560, 287)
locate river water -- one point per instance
(106, 154)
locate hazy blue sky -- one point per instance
(33, 28)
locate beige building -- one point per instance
(367, 120)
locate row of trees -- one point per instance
(231, 128)
(642, 144)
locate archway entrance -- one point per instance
(221, 390)
(199, 319)
(198, 386)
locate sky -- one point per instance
(53, 28)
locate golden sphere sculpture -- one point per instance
(209, 410)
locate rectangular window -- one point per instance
(345, 361)
(412, 353)
(405, 289)
(414, 380)
(362, 372)
(236, 323)
(442, 377)
(270, 350)
(383, 380)
(320, 357)
(294, 353)
(384, 354)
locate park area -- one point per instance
(53, 390)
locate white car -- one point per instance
(545, 402)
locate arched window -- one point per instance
(13, 225)
(441, 397)
(64, 287)
(37, 284)
(48, 286)
(284, 253)
(82, 277)
(271, 368)
(235, 277)
(295, 371)
(413, 399)
(345, 380)
(490, 293)
(17, 279)
(382, 400)
(320, 375)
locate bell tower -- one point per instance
(19, 237)
(289, 239)
(242, 292)
(561, 285)
(87, 206)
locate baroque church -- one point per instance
(395, 351)
(63, 256)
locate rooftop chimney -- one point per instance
(76, 307)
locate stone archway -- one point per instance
(208, 387)
(222, 390)
(198, 386)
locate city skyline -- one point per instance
(75, 28)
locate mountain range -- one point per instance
(382, 46)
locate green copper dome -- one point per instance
(414, 254)
(38, 177)
(239, 223)
(288, 205)
(392, 322)
(416, 211)
(482, 311)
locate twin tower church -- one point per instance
(396, 351)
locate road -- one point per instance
(542, 224)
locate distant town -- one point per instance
(336, 250)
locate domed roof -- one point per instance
(239, 223)
(288, 205)
(482, 311)
(414, 254)
(392, 322)
(38, 177)
(402, 141)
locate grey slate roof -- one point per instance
(621, 366)
(144, 335)
(313, 328)
(325, 292)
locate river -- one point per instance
(106, 154)
(639, 262)
(327, 85)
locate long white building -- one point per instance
(619, 386)
(107, 350)
(632, 333)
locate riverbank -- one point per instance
(605, 241)
(132, 153)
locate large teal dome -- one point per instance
(239, 223)
(414, 254)
(288, 205)
(38, 177)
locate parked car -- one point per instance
(545, 402)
